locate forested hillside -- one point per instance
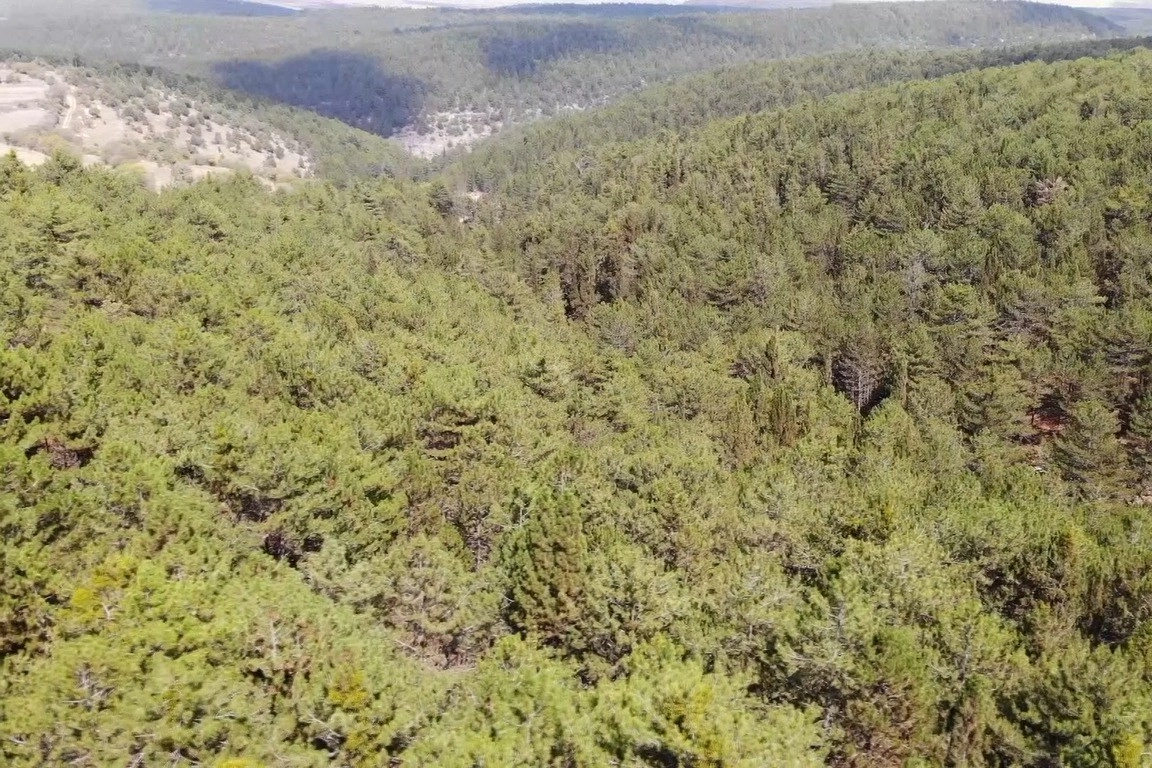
(986, 230)
(442, 78)
(512, 163)
(819, 436)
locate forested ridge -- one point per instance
(511, 165)
(816, 436)
(451, 71)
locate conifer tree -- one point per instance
(545, 563)
(1090, 455)
(1140, 433)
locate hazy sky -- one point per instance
(496, 3)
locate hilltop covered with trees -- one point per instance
(1007, 200)
(512, 164)
(818, 436)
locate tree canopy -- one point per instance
(813, 437)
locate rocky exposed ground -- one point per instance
(166, 137)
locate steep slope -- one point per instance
(1008, 201)
(174, 129)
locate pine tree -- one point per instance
(997, 403)
(545, 562)
(1090, 455)
(1140, 433)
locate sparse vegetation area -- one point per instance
(119, 122)
(173, 127)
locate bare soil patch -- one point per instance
(168, 137)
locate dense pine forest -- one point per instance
(793, 414)
(512, 166)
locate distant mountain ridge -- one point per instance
(222, 7)
(303, 5)
(300, 5)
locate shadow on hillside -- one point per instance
(519, 49)
(350, 87)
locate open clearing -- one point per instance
(446, 131)
(26, 156)
(165, 136)
(23, 103)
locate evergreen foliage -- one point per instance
(810, 437)
(510, 164)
